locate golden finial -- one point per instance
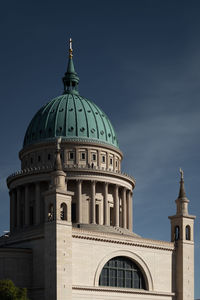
(70, 48)
(181, 172)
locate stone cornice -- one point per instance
(122, 239)
(121, 290)
(71, 170)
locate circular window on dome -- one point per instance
(122, 272)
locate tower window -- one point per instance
(177, 233)
(63, 212)
(39, 158)
(122, 272)
(31, 160)
(187, 233)
(49, 156)
(103, 159)
(93, 156)
(111, 161)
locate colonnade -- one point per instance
(27, 208)
(126, 204)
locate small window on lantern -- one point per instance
(71, 155)
(82, 155)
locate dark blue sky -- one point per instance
(140, 62)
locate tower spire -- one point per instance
(182, 201)
(70, 79)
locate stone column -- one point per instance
(37, 203)
(129, 202)
(12, 211)
(106, 204)
(26, 203)
(124, 209)
(116, 205)
(93, 202)
(18, 206)
(79, 200)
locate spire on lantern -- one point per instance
(58, 163)
(70, 79)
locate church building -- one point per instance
(71, 209)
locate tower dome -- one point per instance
(70, 116)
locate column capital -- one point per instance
(79, 180)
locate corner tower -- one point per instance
(58, 235)
(182, 234)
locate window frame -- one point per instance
(122, 272)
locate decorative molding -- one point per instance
(121, 290)
(123, 240)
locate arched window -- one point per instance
(63, 212)
(50, 213)
(177, 233)
(187, 233)
(121, 271)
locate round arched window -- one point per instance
(121, 271)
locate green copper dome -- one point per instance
(71, 117)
